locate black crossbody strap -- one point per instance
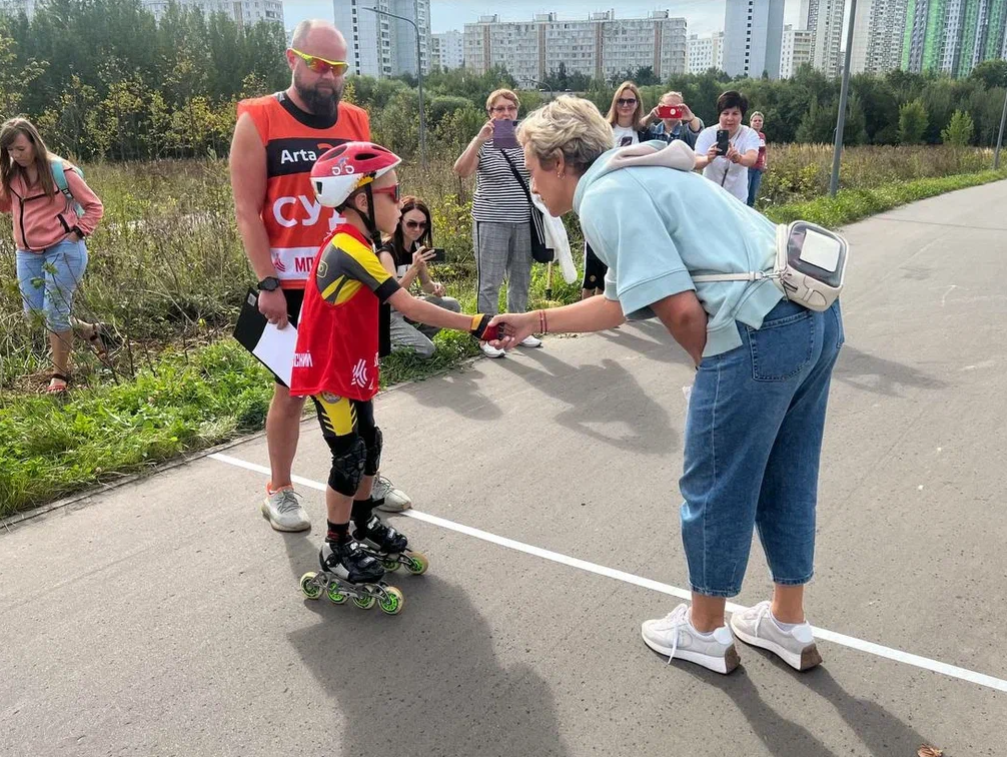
(517, 176)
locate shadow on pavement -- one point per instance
(880, 376)
(426, 682)
(879, 730)
(459, 391)
(647, 425)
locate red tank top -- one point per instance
(337, 332)
(295, 221)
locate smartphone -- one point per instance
(493, 333)
(503, 135)
(439, 255)
(671, 112)
(723, 141)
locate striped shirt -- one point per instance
(499, 198)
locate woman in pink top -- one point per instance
(49, 231)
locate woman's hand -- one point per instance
(486, 133)
(439, 290)
(516, 327)
(733, 155)
(420, 258)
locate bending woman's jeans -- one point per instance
(753, 440)
(48, 280)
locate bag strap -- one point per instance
(517, 175)
(750, 276)
(59, 177)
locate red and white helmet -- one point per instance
(344, 169)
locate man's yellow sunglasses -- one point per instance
(321, 65)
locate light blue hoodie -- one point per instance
(655, 224)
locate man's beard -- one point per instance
(320, 102)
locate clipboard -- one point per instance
(272, 347)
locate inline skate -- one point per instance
(351, 572)
(390, 547)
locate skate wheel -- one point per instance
(365, 603)
(418, 563)
(311, 589)
(390, 564)
(392, 601)
(335, 596)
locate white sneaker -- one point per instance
(531, 341)
(490, 351)
(758, 627)
(675, 636)
(284, 511)
(395, 500)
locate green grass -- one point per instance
(851, 205)
(184, 401)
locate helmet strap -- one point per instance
(369, 220)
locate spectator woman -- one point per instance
(756, 415)
(405, 255)
(50, 225)
(729, 170)
(755, 172)
(501, 215)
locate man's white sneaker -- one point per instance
(794, 644)
(531, 341)
(674, 635)
(284, 511)
(490, 351)
(395, 500)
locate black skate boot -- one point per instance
(389, 546)
(350, 562)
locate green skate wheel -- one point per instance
(365, 603)
(309, 587)
(336, 596)
(418, 563)
(390, 564)
(391, 603)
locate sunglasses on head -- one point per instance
(416, 224)
(625, 101)
(321, 65)
(392, 191)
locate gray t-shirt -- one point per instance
(499, 198)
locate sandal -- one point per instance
(55, 388)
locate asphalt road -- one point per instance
(164, 617)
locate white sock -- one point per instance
(787, 627)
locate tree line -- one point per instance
(104, 79)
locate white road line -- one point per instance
(924, 663)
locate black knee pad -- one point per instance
(348, 467)
(374, 445)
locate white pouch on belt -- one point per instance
(810, 265)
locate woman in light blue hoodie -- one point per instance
(757, 410)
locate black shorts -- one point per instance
(343, 419)
(295, 299)
(594, 270)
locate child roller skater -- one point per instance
(336, 364)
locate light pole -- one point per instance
(843, 95)
(1000, 139)
(419, 76)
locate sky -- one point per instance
(704, 16)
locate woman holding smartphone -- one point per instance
(726, 151)
(501, 215)
(405, 255)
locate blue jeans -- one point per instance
(754, 182)
(753, 439)
(48, 280)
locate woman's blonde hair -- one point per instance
(504, 93)
(613, 115)
(570, 126)
(9, 169)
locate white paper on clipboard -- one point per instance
(276, 350)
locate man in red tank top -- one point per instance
(277, 140)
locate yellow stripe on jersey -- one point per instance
(346, 266)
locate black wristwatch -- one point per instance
(269, 284)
